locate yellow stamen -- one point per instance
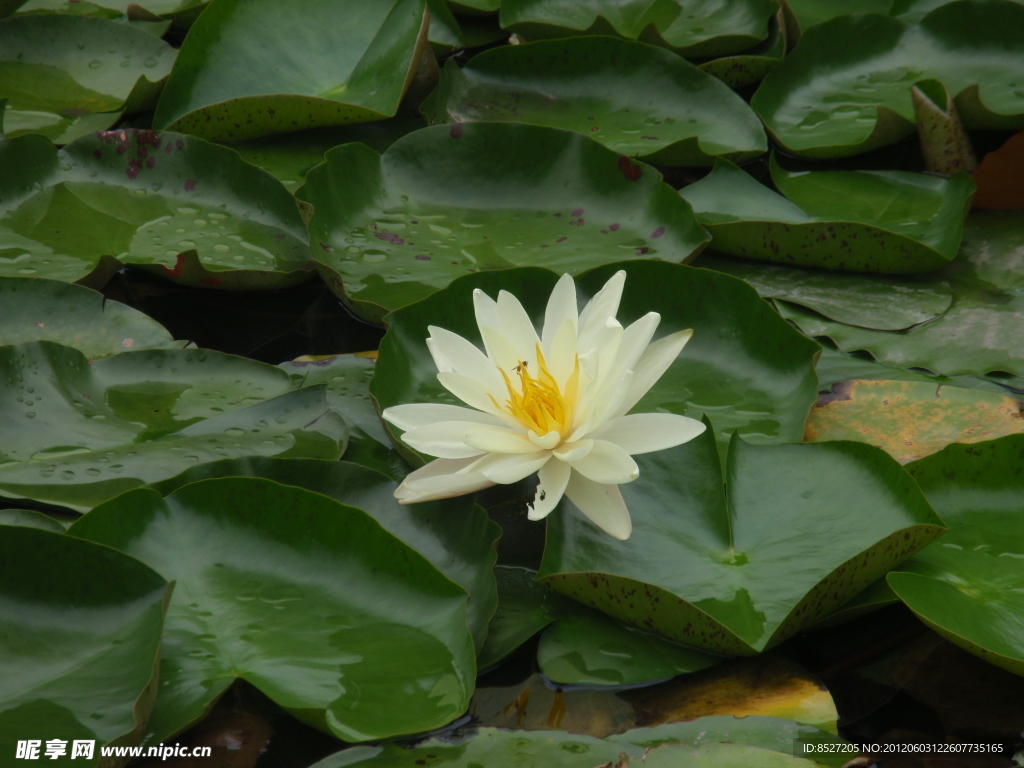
(538, 403)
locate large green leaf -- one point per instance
(981, 331)
(744, 367)
(80, 642)
(856, 221)
(67, 76)
(750, 67)
(802, 529)
(915, 10)
(29, 518)
(348, 378)
(882, 303)
(688, 27)
(969, 586)
(174, 205)
(49, 310)
(634, 98)
(388, 230)
(719, 741)
(846, 88)
(309, 600)
(252, 68)
(181, 12)
(78, 433)
(811, 12)
(455, 535)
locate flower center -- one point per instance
(538, 403)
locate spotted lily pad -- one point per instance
(981, 331)
(741, 70)
(181, 12)
(75, 613)
(67, 76)
(968, 586)
(856, 221)
(688, 27)
(78, 433)
(388, 230)
(846, 88)
(744, 366)
(336, 620)
(453, 534)
(802, 529)
(252, 68)
(170, 204)
(636, 99)
(911, 419)
(49, 310)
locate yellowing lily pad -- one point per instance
(910, 419)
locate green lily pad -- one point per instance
(915, 10)
(969, 586)
(173, 205)
(181, 12)
(635, 99)
(388, 230)
(7, 7)
(336, 620)
(802, 530)
(879, 595)
(524, 609)
(474, 7)
(979, 333)
(78, 433)
(750, 67)
(288, 157)
(454, 534)
(49, 310)
(76, 613)
(882, 303)
(749, 742)
(811, 12)
(711, 28)
(347, 378)
(743, 366)
(67, 76)
(29, 518)
(252, 68)
(856, 221)
(831, 98)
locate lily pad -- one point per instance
(803, 529)
(856, 221)
(811, 12)
(524, 609)
(28, 518)
(743, 366)
(831, 98)
(454, 534)
(67, 76)
(636, 99)
(750, 67)
(882, 303)
(336, 620)
(76, 613)
(49, 310)
(981, 331)
(78, 433)
(968, 586)
(347, 378)
(915, 10)
(910, 420)
(388, 230)
(252, 68)
(173, 205)
(689, 28)
(879, 595)
(181, 12)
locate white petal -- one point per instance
(553, 477)
(646, 432)
(655, 360)
(503, 355)
(547, 442)
(561, 308)
(512, 469)
(500, 441)
(413, 415)
(634, 341)
(561, 356)
(515, 325)
(441, 479)
(603, 504)
(607, 463)
(464, 357)
(602, 307)
(439, 360)
(447, 439)
(610, 399)
(485, 309)
(474, 394)
(575, 451)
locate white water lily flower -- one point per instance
(555, 405)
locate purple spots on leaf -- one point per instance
(614, 227)
(657, 233)
(150, 162)
(456, 131)
(327, 247)
(422, 257)
(180, 143)
(561, 239)
(190, 185)
(629, 169)
(97, 153)
(134, 166)
(577, 213)
(557, 215)
(389, 238)
(577, 223)
(641, 250)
